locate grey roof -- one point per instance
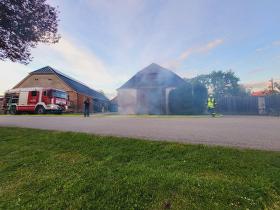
(74, 84)
(154, 76)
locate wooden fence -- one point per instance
(272, 104)
(249, 105)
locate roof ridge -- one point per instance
(71, 80)
(152, 68)
(63, 74)
(158, 66)
(67, 76)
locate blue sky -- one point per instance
(105, 42)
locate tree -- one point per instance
(180, 100)
(200, 96)
(221, 83)
(24, 24)
(188, 99)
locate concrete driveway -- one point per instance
(236, 131)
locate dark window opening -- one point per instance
(33, 93)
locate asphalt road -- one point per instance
(236, 131)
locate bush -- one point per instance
(200, 95)
(188, 99)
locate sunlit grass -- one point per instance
(64, 170)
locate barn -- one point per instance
(147, 92)
(51, 78)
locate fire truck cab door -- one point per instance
(33, 97)
(45, 97)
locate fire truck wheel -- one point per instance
(13, 110)
(40, 110)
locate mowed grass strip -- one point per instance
(64, 170)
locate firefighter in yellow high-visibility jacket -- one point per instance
(211, 105)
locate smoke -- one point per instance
(142, 101)
(147, 92)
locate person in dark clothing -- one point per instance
(86, 109)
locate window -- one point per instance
(14, 100)
(33, 93)
(36, 79)
(50, 79)
(59, 94)
(45, 93)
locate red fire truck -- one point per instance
(35, 100)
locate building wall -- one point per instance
(44, 80)
(73, 98)
(80, 103)
(101, 106)
(167, 93)
(142, 101)
(127, 101)
(151, 101)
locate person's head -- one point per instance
(210, 95)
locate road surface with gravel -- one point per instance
(237, 131)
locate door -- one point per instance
(150, 101)
(46, 97)
(155, 101)
(33, 97)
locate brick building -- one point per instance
(78, 92)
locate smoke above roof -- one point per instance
(153, 75)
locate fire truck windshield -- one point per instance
(59, 94)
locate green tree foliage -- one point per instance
(24, 24)
(188, 99)
(221, 83)
(200, 96)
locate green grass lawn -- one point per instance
(64, 170)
